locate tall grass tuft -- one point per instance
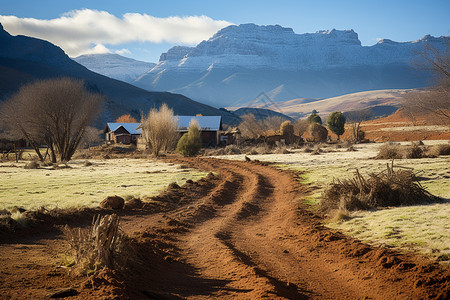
(103, 245)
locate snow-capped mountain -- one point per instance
(115, 66)
(239, 62)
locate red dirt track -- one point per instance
(241, 235)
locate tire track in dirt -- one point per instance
(243, 234)
(262, 244)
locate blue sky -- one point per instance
(144, 29)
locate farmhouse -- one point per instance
(128, 133)
(124, 133)
(210, 127)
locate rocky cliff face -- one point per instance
(255, 46)
(239, 62)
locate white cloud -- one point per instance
(97, 49)
(122, 51)
(78, 30)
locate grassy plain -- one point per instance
(82, 185)
(422, 228)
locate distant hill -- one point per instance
(375, 103)
(239, 62)
(25, 59)
(115, 66)
(260, 113)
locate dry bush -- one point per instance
(300, 127)
(159, 130)
(103, 245)
(228, 150)
(413, 151)
(126, 118)
(318, 132)
(390, 151)
(252, 128)
(32, 165)
(214, 152)
(232, 149)
(388, 188)
(281, 150)
(252, 151)
(308, 149)
(317, 150)
(261, 149)
(438, 150)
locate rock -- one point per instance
(134, 203)
(62, 293)
(173, 186)
(18, 210)
(211, 176)
(113, 202)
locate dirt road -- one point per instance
(250, 238)
(245, 235)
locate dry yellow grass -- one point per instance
(421, 228)
(86, 185)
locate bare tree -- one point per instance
(252, 128)
(301, 126)
(159, 129)
(436, 99)
(126, 119)
(430, 59)
(91, 136)
(355, 119)
(55, 112)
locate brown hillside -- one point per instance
(398, 127)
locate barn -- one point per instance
(124, 133)
(210, 127)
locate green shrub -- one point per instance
(191, 142)
(314, 118)
(336, 123)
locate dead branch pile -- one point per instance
(103, 245)
(388, 188)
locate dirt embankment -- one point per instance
(403, 127)
(243, 235)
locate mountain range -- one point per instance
(239, 62)
(115, 66)
(24, 59)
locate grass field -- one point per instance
(86, 185)
(422, 228)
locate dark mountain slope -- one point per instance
(24, 59)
